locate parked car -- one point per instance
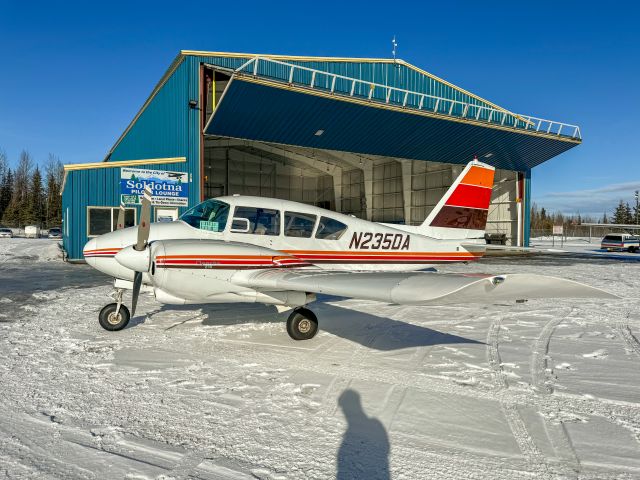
(55, 233)
(32, 231)
(620, 242)
(6, 233)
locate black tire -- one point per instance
(632, 249)
(302, 324)
(108, 320)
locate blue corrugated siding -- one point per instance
(99, 187)
(168, 127)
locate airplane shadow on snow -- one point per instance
(376, 332)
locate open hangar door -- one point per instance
(381, 189)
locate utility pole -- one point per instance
(636, 207)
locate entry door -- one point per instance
(166, 214)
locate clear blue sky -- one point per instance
(74, 74)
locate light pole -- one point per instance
(636, 207)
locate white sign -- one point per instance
(557, 229)
(169, 189)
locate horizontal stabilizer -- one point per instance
(420, 288)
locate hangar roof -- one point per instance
(369, 106)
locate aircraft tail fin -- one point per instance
(462, 212)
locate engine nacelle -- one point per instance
(200, 271)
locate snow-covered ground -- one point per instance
(544, 389)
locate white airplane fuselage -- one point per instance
(203, 261)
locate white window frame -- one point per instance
(114, 216)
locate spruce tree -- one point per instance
(14, 215)
(6, 192)
(620, 214)
(53, 202)
(4, 171)
(34, 211)
(627, 214)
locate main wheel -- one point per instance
(112, 322)
(302, 324)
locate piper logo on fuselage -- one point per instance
(380, 241)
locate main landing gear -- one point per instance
(302, 324)
(114, 316)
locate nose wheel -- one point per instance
(114, 316)
(302, 324)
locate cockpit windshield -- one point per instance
(209, 215)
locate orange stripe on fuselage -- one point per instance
(479, 176)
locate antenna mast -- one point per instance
(395, 49)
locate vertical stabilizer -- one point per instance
(462, 212)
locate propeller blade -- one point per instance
(145, 220)
(137, 283)
(120, 218)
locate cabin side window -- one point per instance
(299, 224)
(330, 229)
(261, 221)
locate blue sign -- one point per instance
(169, 189)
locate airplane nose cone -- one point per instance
(90, 246)
(89, 249)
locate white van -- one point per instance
(620, 241)
(32, 231)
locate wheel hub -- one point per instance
(114, 319)
(304, 326)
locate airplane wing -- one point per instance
(419, 288)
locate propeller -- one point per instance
(137, 257)
(143, 241)
(120, 224)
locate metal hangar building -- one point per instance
(380, 139)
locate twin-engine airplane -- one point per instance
(263, 250)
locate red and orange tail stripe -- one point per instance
(468, 204)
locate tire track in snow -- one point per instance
(630, 340)
(516, 423)
(539, 367)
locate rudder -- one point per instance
(462, 212)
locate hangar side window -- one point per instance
(101, 220)
(262, 221)
(298, 224)
(330, 229)
(209, 215)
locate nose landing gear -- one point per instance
(302, 324)
(114, 316)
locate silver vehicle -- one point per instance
(6, 233)
(55, 233)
